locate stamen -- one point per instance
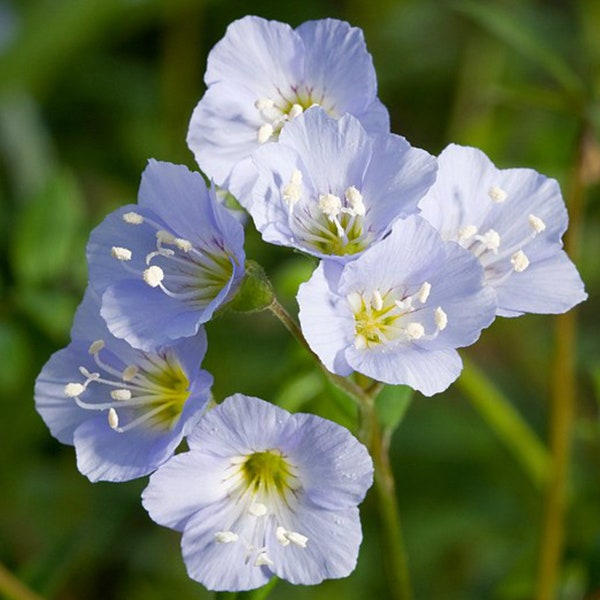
(423, 293)
(330, 205)
(490, 239)
(165, 237)
(121, 394)
(415, 331)
(183, 245)
(497, 194)
(226, 537)
(120, 253)
(257, 509)
(72, 390)
(537, 224)
(360, 342)
(519, 261)
(292, 192)
(295, 111)
(153, 276)
(441, 318)
(113, 418)
(265, 131)
(464, 233)
(377, 300)
(96, 346)
(355, 200)
(133, 218)
(405, 305)
(263, 560)
(130, 372)
(284, 537)
(355, 301)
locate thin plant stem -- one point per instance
(563, 401)
(395, 555)
(13, 588)
(506, 422)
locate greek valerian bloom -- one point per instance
(331, 189)
(398, 312)
(124, 410)
(263, 492)
(263, 74)
(163, 266)
(512, 220)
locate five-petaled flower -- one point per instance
(331, 189)
(124, 410)
(163, 266)
(512, 220)
(263, 492)
(263, 74)
(398, 312)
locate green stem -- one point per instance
(563, 400)
(506, 422)
(14, 589)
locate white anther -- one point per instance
(165, 237)
(360, 342)
(355, 200)
(72, 390)
(519, 261)
(497, 194)
(295, 111)
(113, 419)
(264, 103)
(330, 204)
(355, 301)
(292, 192)
(264, 133)
(129, 372)
(121, 394)
(133, 218)
(183, 245)
(405, 304)
(537, 224)
(226, 537)
(257, 509)
(424, 292)
(96, 346)
(464, 233)
(263, 560)
(490, 239)
(441, 318)
(415, 331)
(153, 276)
(377, 300)
(284, 537)
(120, 253)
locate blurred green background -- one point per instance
(90, 89)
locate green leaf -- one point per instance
(299, 391)
(391, 405)
(514, 32)
(46, 230)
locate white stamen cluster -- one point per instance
(292, 191)
(121, 253)
(275, 116)
(497, 194)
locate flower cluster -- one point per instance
(417, 255)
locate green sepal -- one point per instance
(255, 292)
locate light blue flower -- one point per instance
(398, 312)
(163, 266)
(124, 410)
(512, 220)
(263, 74)
(263, 492)
(331, 189)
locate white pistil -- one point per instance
(377, 300)
(519, 261)
(292, 192)
(265, 131)
(415, 331)
(121, 394)
(129, 372)
(497, 194)
(133, 218)
(72, 390)
(284, 537)
(257, 509)
(226, 537)
(490, 239)
(295, 111)
(537, 224)
(96, 346)
(355, 200)
(424, 292)
(153, 276)
(263, 560)
(441, 318)
(120, 253)
(466, 232)
(113, 419)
